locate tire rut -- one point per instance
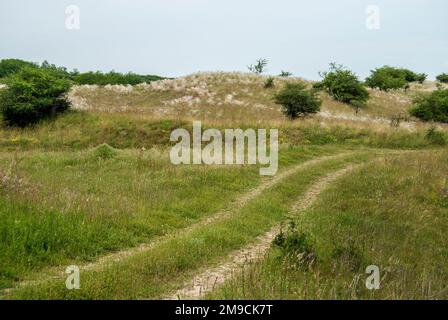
(207, 280)
(55, 272)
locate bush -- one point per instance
(269, 83)
(11, 66)
(389, 78)
(296, 100)
(112, 77)
(104, 151)
(285, 74)
(295, 246)
(343, 85)
(33, 94)
(432, 107)
(442, 78)
(259, 67)
(436, 137)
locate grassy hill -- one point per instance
(140, 227)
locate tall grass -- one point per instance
(392, 213)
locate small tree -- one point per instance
(11, 66)
(343, 85)
(432, 107)
(33, 94)
(297, 101)
(269, 83)
(285, 74)
(442, 78)
(389, 78)
(421, 77)
(258, 67)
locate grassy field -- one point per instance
(95, 188)
(391, 213)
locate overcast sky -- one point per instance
(178, 37)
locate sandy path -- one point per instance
(209, 279)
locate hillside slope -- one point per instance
(235, 98)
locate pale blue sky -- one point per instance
(178, 37)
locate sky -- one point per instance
(179, 37)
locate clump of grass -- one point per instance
(269, 83)
(104, 151)
(296, 247)
(436, 137)
(348, 256)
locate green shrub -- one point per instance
(343, 85)
(296, 100)
(421, 77)
(112, 77)
(33, 94)
(259, 67)
(269, 83)
(11, 66)
(285, 74)
(389, 78)
(436, 137)
(295, 246)
(442, 78)
(104, 151)
(432, 107)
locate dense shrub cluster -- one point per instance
(442, 78)
(296, 100)
(343, 85)
(432, 107)
(33, 94)
(389, 78)
(11, 66)
(37, 91)
(112, 77)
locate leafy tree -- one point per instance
(432, 107)
(297, 101)
(285, 74)
(389, 78)
(343, 85)
(11, 66)
(112, 77)
(33, 94)
(259, 67)
(442, 78)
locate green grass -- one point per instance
(152, 273)
(392, 213)
(75, 206)
(81, 130)
(89, 183)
